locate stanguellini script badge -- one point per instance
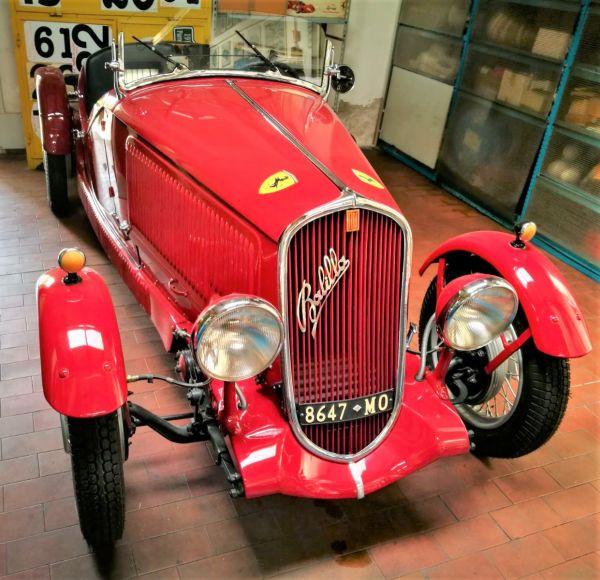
(309, 305)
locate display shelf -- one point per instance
(516, 112)
(580, 105)
(428, 53)
(442, 16)
(506, 107)
(568, 5)
(575, 132)
(573, 161)
(573, 192)
(257, 16)
(516, 53)
(523, 85)
(567, 219)
(542, 31)
(488, 151)
(431, 33)
(589, 49)
(587, 72)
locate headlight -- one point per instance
(474, 310)
(237, 338)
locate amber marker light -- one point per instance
(525, 232)
(71, 260)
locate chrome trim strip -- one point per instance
(356, 472)
(106, 223)
(340, 204)
(280, 128)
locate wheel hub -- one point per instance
(467, 379)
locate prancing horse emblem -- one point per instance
(277, 182)
(309, 305)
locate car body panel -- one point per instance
(192, 186)
(55, 114)
(196, 124)
(556, 322)
(83, 372)
(271, 460)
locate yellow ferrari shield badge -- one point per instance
(367, 179)
(277, 182)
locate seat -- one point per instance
(98, 79)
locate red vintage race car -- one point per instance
(275, 265)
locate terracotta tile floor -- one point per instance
(461, 517)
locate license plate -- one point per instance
(348, 410)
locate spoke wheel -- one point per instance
(520, 405)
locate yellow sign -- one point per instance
(367, 179)
(63, 33)
(277, 182)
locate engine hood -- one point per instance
(221, 132)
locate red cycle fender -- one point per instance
(55, 113)
(83, 373)
(556, 322)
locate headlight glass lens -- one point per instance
(479, 313)
(238, 338)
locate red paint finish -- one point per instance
(554, 317)
(80, 347)
(354, 350)
(509, 349)
(208, 250)
(272, 461)
(165, 315)
(55, 114)
(207, 129)
(312, 121)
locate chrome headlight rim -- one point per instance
(224, 307)
(468, 292)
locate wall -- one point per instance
(369, 46)
(11, 128)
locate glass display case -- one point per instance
(488, 151)
(512, 68)
(521, 138)
(523, 84)
(565, 199)
(531, 28)
(427, 53)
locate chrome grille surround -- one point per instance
(348, 200)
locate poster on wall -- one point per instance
(317, 8)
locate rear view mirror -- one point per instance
(342, 79)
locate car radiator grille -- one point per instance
(355, 348)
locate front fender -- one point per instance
(83, 373)
(55, 113)
(556, 322)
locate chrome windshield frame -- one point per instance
(178, 74)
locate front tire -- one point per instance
(55, 168)
(97, 462)
(527, 394)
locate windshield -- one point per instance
(293, 47)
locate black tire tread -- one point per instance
(55, 169)
(540, 410)
(98, 476)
